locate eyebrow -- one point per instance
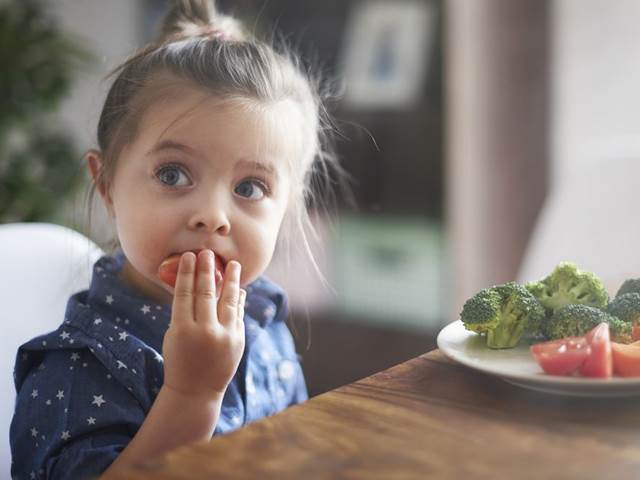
(171, 145)
(266, 167)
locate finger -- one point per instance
(240, 314)
(228, 304)
(182, 310)
(205, 298)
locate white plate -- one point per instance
(517, 366)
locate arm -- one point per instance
(175, 419)
(202, 350)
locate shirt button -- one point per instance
(286, 370)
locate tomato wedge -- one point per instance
(599, 364)
(626, 359)
(635, 332)
(563, 356)
(168, 270)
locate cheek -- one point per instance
(144, 236)
(256, 251)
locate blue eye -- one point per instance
(251, 189)
(173, 176)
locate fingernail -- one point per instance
(188, 259)
(236, 270)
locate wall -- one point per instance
(596, 79)
(497, 95)
(110, 31)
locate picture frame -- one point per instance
(386, 53)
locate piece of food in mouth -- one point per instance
(168, 270)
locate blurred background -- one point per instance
(463, 124)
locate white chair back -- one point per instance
(41, 265)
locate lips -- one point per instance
(168, 269)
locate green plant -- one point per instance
(39, 166)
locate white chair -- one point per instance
(592, 219)
(41, 265)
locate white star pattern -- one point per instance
(123, 335)
(60, 394)
(48, 402)
(91, 421)
(269, 311)
(97, 321)
(65, 435)
(64, 335)
(109, 299)
(34, 393)
(145, 309)
(98, 400)
(75, 356)
(121, 365)
(34, 432)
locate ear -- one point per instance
(94, 162)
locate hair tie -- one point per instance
(213, 32)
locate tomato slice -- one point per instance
(168, 270)
(635, 331)
(563, 356)
(626, 359)
(599, 363)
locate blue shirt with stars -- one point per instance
(84, 389)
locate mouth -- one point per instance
(168, 269)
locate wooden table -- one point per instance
(426, 418)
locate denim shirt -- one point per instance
(84, 389)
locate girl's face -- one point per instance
(200, 174)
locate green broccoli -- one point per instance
(567, 285)
(626, 307)
(631, 285)
(577, 320)
(502, 313)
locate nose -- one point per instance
(211, 218)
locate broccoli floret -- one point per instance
(567, 285)
(576, 320)
(626, 308)
(631, 285)
(502, 313)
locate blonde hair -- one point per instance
(201, 46)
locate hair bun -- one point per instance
(194, 18)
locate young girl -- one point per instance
(206, 144)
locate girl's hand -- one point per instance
(205, 340)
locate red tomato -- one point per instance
(599, 363)
(635, 332)
(563, 356)
(626, 359)
(168, 270)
